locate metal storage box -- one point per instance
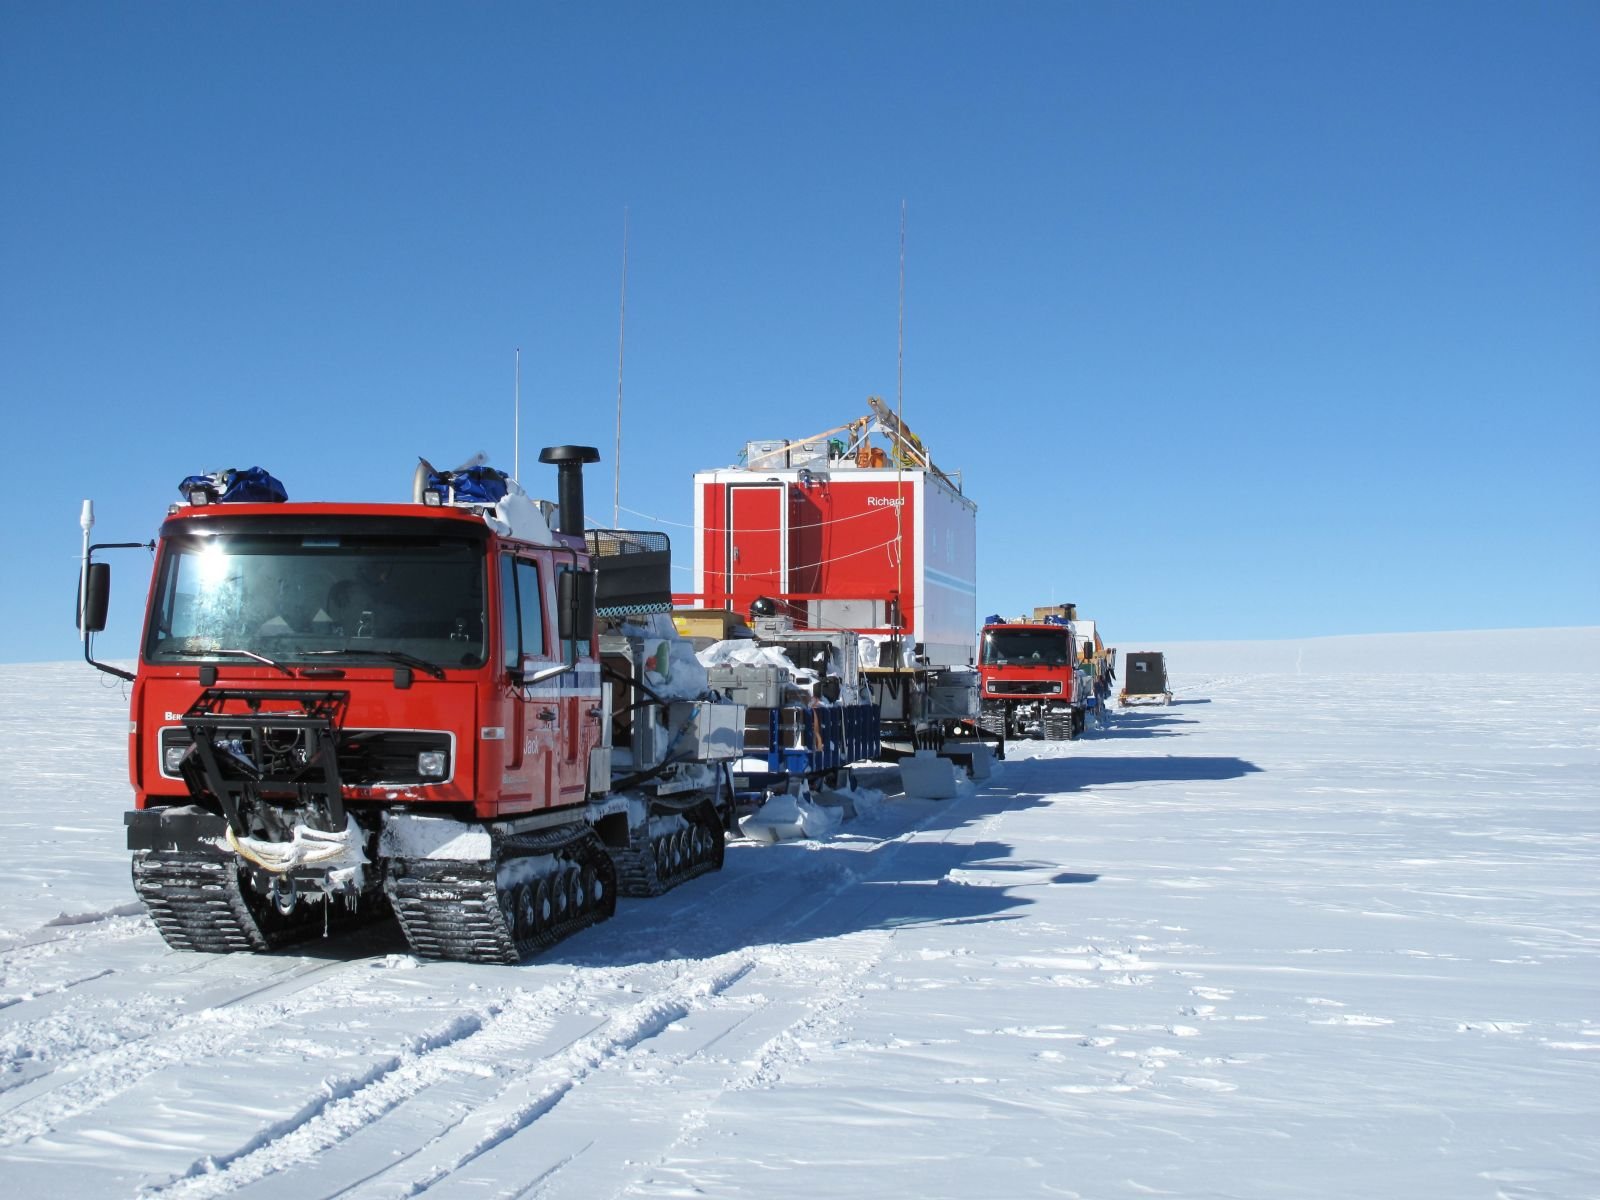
(813, 456)
(754, 687)
(693, 730)
(766, 455)
(716, 731)
(954, 696)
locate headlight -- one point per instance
(172, 758)
(431, 764)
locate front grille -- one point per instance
(367, 757)
(375, 756)
(1024, 687)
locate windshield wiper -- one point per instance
(396, 656)
(260, 658)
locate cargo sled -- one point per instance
(1144, 679)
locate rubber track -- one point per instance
(993, 724)
(453, 910)
(197, 903)
(638, 867)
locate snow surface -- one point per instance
(1325, 934)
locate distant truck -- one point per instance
(1145, 679)
(1031, 684)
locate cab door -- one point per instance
(582, 707)
(529, 649)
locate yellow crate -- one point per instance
(1066, 611)
(715, 623)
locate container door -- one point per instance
(758, 537)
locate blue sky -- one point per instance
(1239, 320)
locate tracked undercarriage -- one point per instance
(536, 889)
(1029, 718)
(267, 854)
(203, 901)
(673, 846)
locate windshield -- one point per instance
(289, 596)
(1026, 648)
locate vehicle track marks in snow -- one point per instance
(821, 982)
(77, 928)
(96, 1056)
(531, 1094)
(782, 1012)
(56, 987)
(496, 1071)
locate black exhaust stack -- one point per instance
(569, 461)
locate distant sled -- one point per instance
(1144, 679)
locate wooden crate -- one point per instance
(1067, 612)
(718, 624)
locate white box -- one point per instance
(711, 732)
(927, 776)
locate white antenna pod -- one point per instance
(86, 523)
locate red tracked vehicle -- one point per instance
(1031, 684)
(344, 708)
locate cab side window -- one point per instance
(522, 607)
(574, 648)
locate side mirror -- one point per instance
(520, 678)
(94, 598)
(575, 604)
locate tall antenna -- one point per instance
(899, 411)
(900, 364)
(622, 332)
(516, 422)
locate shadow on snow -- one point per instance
(1141, 725)
(1075, 774)
(797, 892)
(807, 891)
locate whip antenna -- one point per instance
(899, 414)
(622, 331)
(900, 357)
